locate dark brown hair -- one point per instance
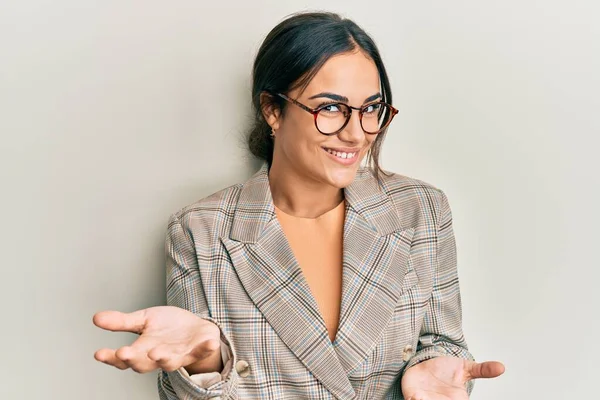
(290, 56)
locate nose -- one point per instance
(353, 132)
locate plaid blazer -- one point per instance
(228, 261)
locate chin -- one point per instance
(341, 178)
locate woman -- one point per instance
(316, 278)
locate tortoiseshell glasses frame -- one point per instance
(384, 110)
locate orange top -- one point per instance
(317, 246)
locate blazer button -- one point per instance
(407, 352)
(242, 368)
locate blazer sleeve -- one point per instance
(441, 333)
(185, 290)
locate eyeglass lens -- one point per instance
(333, 117)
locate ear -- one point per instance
(270, 110)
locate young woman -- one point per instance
(318, 278)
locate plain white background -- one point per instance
(114, 114)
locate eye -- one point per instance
(370, 109)
(332, 108)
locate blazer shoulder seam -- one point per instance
(223, 201)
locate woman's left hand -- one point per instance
(445, 378)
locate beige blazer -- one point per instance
(228, 261)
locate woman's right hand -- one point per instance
(170, 338)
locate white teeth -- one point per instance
(341, 154)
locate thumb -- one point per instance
(487, 369)
(133, 322)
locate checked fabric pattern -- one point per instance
(228, 261)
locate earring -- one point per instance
(272, 133)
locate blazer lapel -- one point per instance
(375, 260)
(269, 272)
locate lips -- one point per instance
(345, 154)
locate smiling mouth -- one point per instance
(341, 154)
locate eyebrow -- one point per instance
(343, 99)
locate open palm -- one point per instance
(444, 378)
(170, 337)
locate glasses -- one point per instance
(331, 118)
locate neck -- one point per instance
(300, 196)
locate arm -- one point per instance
(441, 333)
(185, 290)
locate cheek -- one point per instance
(301, 141)
(370, 139)
(305, 136)
(369, 145)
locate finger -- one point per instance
(171, 357)
(206, 348)
(168, 357)
(123, 322)
(487, 369)
(136, 355)
(108, 356)
(136, 359)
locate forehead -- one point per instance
(353, 75)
